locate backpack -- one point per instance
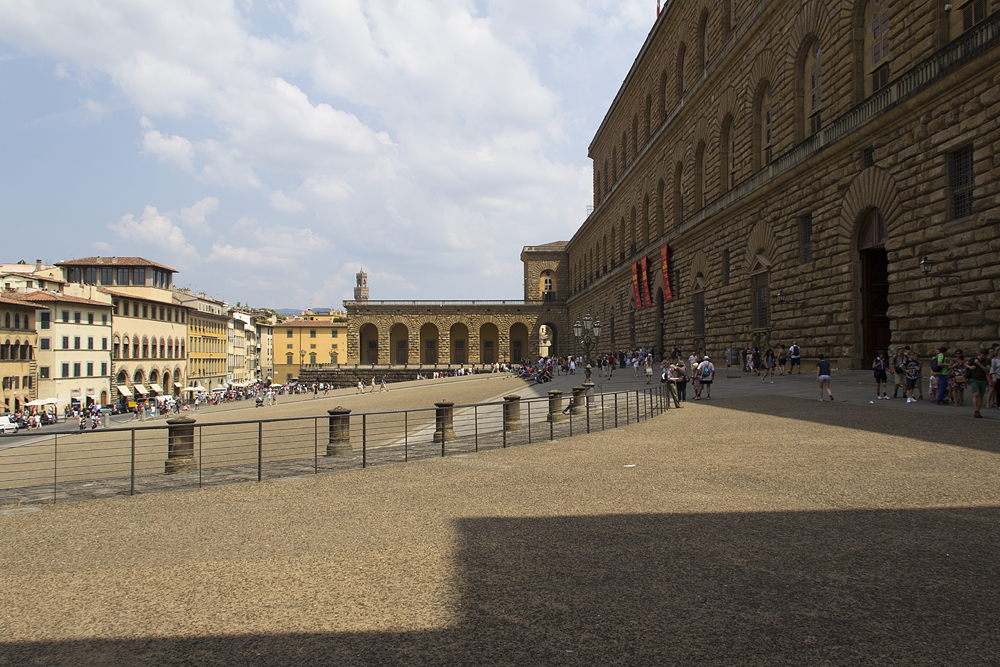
(935, 366)
(794, 350)
(706, 372)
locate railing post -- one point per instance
(627, 417)
(364, 440)
(406, 436)
(180, 445)
(260, 451)
(529, 421)
(555, 406)
(616, 409)
(475, 419)
(602, 413)
(444, 426)
(512, 413)
(339, 441)
(576, 405)
(588, 395)
(55, 467)
(131, 484)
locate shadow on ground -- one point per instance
(908, 587)
(942, 429)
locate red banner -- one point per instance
(668, 294)
(645, 282)
(635, 285)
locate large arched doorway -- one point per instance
(399, 343)
(428, 344)
(459, 336)
(489, 341)
(368, 335)
(875, 332)
(518, 342)
(548, 340)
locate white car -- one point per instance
(7, 425)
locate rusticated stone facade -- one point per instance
(799, 159)
(451, 332)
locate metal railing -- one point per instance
(76, 465)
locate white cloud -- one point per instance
(282, 202)
(194, 217)
(155, 230)
(169, 148)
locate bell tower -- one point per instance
(361, 290)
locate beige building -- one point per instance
(18, 345)
(207, 349)
(149, 327)
(23, 277)
(265, 343)
(299, 343)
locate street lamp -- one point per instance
(587, 336)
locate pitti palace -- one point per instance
(770, 172)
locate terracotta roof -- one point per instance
(124, 262)
(305, 324)
(15, 302)
(50, 297)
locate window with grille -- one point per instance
(961, 182)
(699, 313)
(805, 238)
(973, 13)
(725, 267)
(759, 300)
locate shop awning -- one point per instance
(155, 387)
(178, 385)
(124, 391)
(142, 390)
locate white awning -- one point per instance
(142, 390)
(124, 391)
(178, 385)
(155, 387)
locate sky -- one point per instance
(266, 150)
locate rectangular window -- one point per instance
(104, 319)
(76, 370)
(44, 343)
(65, 370)
(880, 78)
(104, 368)
(289, 333)
(65, 315)
(135, 309)
(805, 239)
(122, 277)
(161, 313)
(973, 13)
(725, 267)
(699, 313)
(312, 346)
(961, 182)
(90, 369)
(90, 342)
(90, 318)
(312, 333)
(138, 276)
(104, 343)
(759, 300)
(145, 310)
(334, 333)
(45, 315)
(107, 276)
(65, 344)
(90, 276)
(43, 372)
(76, 342)
(77, 317)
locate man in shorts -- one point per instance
(795, 354)
(706, 371)
(823, 377)
(913, 373)
(978, 369)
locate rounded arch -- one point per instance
(122, 376)
(679, 71)
(704, 43)
(678, 194)
(368, 343)
(699, 271)
(489, 343)
(872, 188)
(518, 342)
(165, 382)
(458, 336)
(137, 375)
(761, 248)
(549, 346)
(644, 236)
(699, 176)
(399, 344)
(429, 337)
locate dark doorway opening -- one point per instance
(875, 331)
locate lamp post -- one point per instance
(587, 334)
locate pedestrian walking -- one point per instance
(768, 366)
(940, 368)
(649, 368)
(782, 359)
(795, 355)
(880, 366)
(978, 370)
(383, 387)
(913, 372)
(823, 376)
(706, 374)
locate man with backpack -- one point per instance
(706, 371)
(940, 368)
(795, 354)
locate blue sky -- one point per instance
(266, 150)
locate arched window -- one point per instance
(604, 175)
(163, 349)
(614, 164)
(876, 46)
(703, 43)
(145, 347)
(727, 18)
(762, 126)
(727, 155)
(648, 118)
(680, 71)
(663, 96)
(660, 210)
(288, 359)
(17, 320)
(624, 152)
(812, 85)
(613, 248)
(644, 235)
(633, 236)
(597, 187)
(6, 320)
(635, 136)
(623, 252)
(699, 176)
(678, 195)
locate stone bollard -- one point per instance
(512, 413)
(589, 386)
(180, 445)
(340, 432)
(587, 370)
(555, 406)
(444, 419)
(579, 397)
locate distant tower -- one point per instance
(361, 291)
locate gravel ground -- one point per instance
(757, 530)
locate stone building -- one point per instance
(817, 172)
(18, 343)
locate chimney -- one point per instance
(38, 265)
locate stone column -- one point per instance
(512, 413)
(180, 445)
(579, 397)
(555, 406)
(340, 432)
(444, 422)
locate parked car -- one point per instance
(7, 425)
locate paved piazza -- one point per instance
(753, 529)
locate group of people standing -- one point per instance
(950, 375)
